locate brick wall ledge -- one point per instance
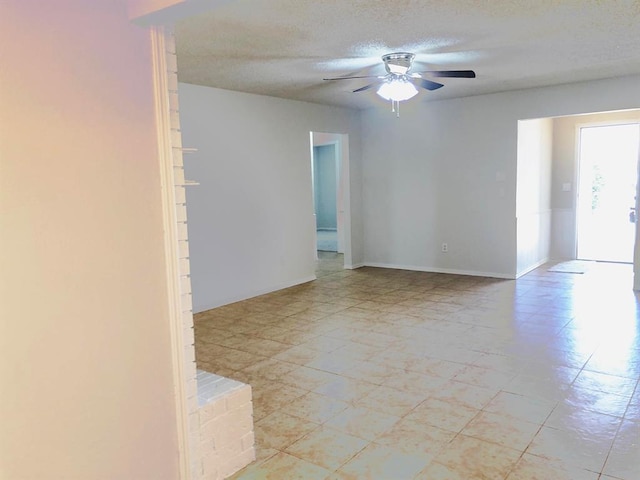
(226, 425)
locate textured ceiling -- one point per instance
(284, 48)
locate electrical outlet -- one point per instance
(445, 248)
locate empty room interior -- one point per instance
(441, 343)
(352, 240)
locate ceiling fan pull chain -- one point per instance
(395, 107)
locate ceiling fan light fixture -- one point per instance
(397, 69)
(399, 83)
(397, 90)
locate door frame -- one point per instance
(341, 145)
(578, 162)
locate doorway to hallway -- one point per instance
(606, 216)
(325, 196)
(330, 185)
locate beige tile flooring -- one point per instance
(390, 374)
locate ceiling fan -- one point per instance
(399, 83)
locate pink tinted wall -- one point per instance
(85, 380)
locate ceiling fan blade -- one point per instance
(349, 78)
(451, 73)
(366, 87)
(428, 84)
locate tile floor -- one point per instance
(389, 374)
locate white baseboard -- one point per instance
(354, 266)
(262, 291)
(532, 267)
(248, 295)
(452, 271)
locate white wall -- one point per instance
(434, 174)
(533, 193)
(322, 138)
(86, 377)
(565, 170)
(251, 224)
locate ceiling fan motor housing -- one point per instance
(398, 63)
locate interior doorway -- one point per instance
(328, 183)
(325, 196)
(607, 185)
